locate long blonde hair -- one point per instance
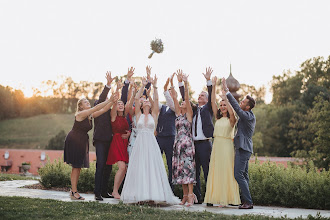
(79, 105)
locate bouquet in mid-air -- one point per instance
(156, 47)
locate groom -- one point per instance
(243, 143)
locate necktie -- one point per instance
(197, 113)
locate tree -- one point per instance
(57, 142)
(287, 88)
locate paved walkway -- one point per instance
(11, 188)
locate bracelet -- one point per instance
(172, 87)
(155, 87)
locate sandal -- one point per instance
(194, 199)
(183, 201)
(72, 195)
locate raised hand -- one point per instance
(208, 73)
(185, 78)
(179, 75)
(148, 69)
(214, 81)
(154, 81)
(109, 78)
(148, 92)
(166, 84)
(144, 81)
(119, 85)
(130, 73)
(114, 97)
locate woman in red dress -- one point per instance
(118, 148)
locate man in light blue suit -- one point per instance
(243, 142)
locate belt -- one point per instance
(199, 141)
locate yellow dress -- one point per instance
(222, 187)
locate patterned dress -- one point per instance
(183, 161)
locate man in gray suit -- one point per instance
(243, 142)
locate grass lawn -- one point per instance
(27, 208)
(34, 132)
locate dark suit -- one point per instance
(243, 147)
(102, 139)
(203, 148)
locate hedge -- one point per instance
(270, 184)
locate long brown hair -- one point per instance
(219, 114)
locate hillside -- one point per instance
(34, 132)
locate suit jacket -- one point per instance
(245, 125)
(102, 124)
(206, 113)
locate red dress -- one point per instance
(118, 147)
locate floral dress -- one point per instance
(183, 161)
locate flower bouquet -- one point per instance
(156, 46)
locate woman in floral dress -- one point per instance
(183, 161)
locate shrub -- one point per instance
(56, 174)
(269, 184)
(290, 187)
(57, 142)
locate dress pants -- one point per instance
(166, 145)
(241, 169)
(203, 151)
(103, 171)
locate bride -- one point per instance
(146, 179)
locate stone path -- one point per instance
(11, 188)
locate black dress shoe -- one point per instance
(246, 206)
(107, 195)
(98, 198)
(209, 204)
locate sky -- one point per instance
(41, 40)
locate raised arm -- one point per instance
(174, 96)
(129, 104)
(113, 113)
(230, 109)
(124, 91)
(168, 98)
(106, 89)
(181, 86)
(207, 76)
(244, 115)
(85, 113)
(114, 97)
(137, 99)
(213, 96)
(155, 107)
(186, 94)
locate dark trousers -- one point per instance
(103, 171)
(203, 151)
(241, 173)
(166, 145)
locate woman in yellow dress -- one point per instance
(222, 187)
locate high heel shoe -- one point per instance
(194, 199)
(72, 195)
(183, 201)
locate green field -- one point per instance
(34, 132)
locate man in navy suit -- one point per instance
(102, 137)
(202, 131)
(243, 143)
(166, 128)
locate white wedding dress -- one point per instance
(146, 178)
